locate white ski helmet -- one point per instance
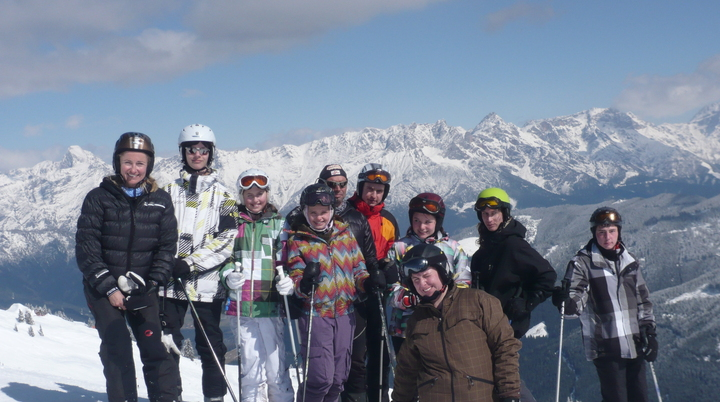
(252, 177)
(195, 133)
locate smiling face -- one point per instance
(255, 199)
(133, 167)
(196, 160)
(338, 184)
(423, 225)
(372, 193)
(607, 236)
(319, 216)
(427, 282)
(492, 218)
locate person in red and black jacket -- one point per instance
(372, 189)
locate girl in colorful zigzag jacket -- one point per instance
(328, 270)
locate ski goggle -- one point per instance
(378, 176)
(430, 206)
(492, 203)
(258, 180)
(609, 217)
(324, 199)
(336, 184)
(195, 150)
(420, 264)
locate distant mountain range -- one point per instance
(664, 178)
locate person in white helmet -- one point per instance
(207, 225)
(258, 252)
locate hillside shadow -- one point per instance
(28, 393)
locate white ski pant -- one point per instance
(265, 374)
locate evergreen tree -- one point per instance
(20, 317)
(187, 349)
(28, 318)
(31, 332)
(40, 332)
(15, 329)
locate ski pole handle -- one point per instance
(280, 271)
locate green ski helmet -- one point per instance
(494, 198)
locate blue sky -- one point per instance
(264, 72)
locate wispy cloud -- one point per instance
(666, 96)
(14, 159)
(34, 130)
(74, 121)
(535, 13)
(298, 137)
(52, 45)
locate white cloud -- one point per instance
(666, 96)
(74, 121)
(533, 13)
(298, 137)
(33, 130)
(52, 45)
(14, 159)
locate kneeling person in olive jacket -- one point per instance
(459, 345)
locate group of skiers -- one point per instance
(367, 301)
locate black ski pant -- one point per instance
(375, 348)
(356, 384)
(159, 369)
(622, 380)
(173, 310)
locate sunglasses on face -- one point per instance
(483, 203)
(259, 180)
(195, 150)
(336, 184)
(378, 177)
(428, 205)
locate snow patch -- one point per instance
(701, 293)
(538, 331)
(469, 245)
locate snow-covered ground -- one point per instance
(63, 365)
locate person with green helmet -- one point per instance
(506, 266)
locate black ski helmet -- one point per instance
(420, 258)
(134, 142)
(374, 173)
(428, 203)
(318, 193)
(605, 216)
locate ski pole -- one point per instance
(238, 311)
(202, 329)
(657, 387)
(565, 284)
(309, 333)
(386, 334)
(281, 275)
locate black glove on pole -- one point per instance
(311, 277)
(649, 342)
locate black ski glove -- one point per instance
(648, 342)
(182, 269)
(375, 282)
(517, 309)
(561, 294)
(391, 270)
(311, 277)
(133, 286)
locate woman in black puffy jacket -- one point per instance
(125, 244)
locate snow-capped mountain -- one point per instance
(595, 154)
(556, 170)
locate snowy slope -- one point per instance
(63, 365)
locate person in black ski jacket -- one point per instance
(125, 246)
(507, 267)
